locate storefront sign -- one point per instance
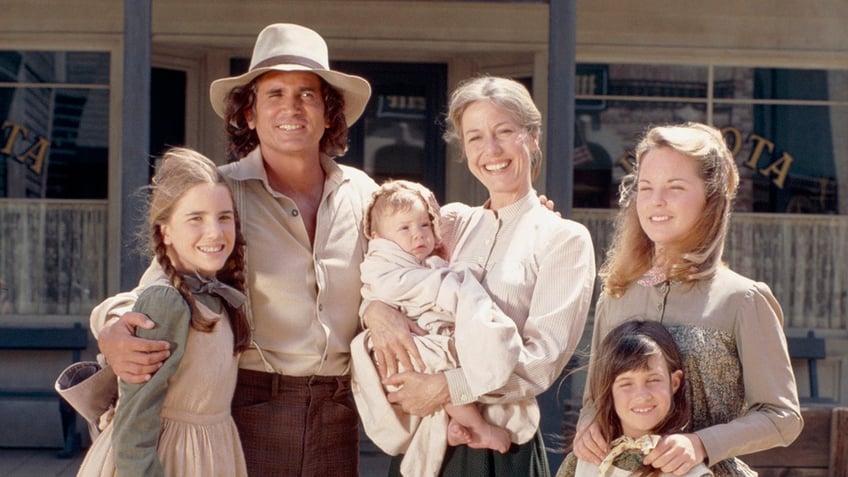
(18, 138)
(591, 80)
(401, 107)
(779, 167)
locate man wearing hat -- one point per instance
(301, 215)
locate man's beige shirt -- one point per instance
(303, 298)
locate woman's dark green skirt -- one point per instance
(525, 460)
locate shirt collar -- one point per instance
(517, 208)
(252, 168)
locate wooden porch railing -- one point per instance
(801, 257)
(53, 258)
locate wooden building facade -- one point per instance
(773, 74)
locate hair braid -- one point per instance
(182, 169)
(232, 274)
(198, 322)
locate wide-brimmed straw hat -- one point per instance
(289, 47)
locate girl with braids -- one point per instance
(665, 265)
(178, 423)
(637, 378)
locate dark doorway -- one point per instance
(167, 110)
(399, 135)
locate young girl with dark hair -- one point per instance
(637, 378)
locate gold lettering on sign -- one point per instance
(16, 130)
(823, 182)
(416, 103)
(35, 154)
(760, 143)
(779, 167)
(624, 162)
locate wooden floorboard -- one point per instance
(15, 462)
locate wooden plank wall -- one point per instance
(52, 256)
(820, 451)
(799, 256)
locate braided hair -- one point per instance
(181, 170)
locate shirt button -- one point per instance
(295, 212)
(320, 307)
(659, 306)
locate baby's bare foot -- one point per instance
(491, 437)
(458, 434)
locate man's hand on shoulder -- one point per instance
(133, 359)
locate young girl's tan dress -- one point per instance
(191, 392)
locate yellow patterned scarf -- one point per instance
(643, 445)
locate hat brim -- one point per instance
(356, 90)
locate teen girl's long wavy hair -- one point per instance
(180, 170)
(698, 255)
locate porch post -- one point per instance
(562, 34)
(135, 135)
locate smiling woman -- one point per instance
(498, 149)
(526, 252)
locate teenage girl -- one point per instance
(178, 423)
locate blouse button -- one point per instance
(659, 307)
(320, 307)
(295, 212)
